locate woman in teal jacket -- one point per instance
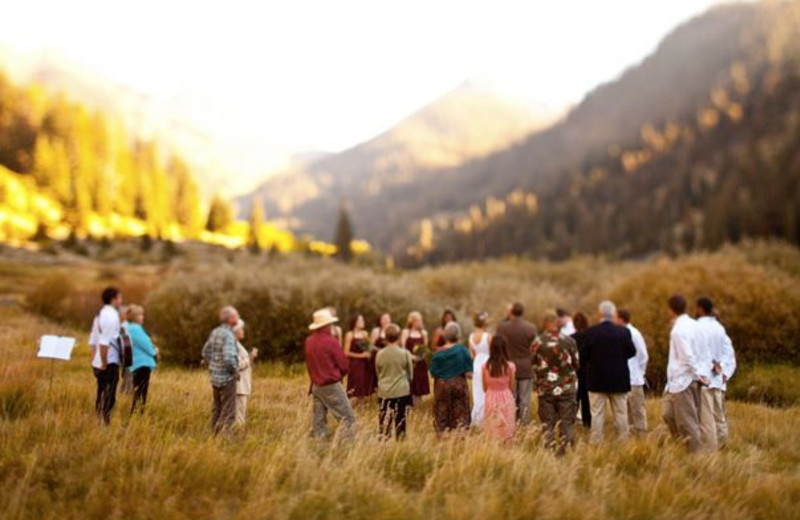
(145, 355)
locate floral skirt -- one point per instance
(500, 414)
(450, 404)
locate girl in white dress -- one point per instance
(479, 348)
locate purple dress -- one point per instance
(420, 384)
(361, 372)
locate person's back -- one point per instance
(607, 348)
(395, 370)
(144, 352)
(555, 362)
(519, 335)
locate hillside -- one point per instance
(694, 147)
(468, 122)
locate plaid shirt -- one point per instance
(221, 354)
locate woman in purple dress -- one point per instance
(415, 339)
(360, 379)
(448, 316)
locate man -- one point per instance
(327, 366)
(555, 361)
(637, 366)
(713, 421)
(607, 349)
(104, 342)
(520, 335)
(395, 367)
(221, 354)
(565, 324)
(684, 376)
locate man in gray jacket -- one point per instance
(520, 335)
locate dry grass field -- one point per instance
(57, 462)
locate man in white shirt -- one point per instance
(684, 377)
(104, 342)
(637, 366)
(722, 362)
(566, 327)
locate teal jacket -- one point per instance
(144, 352)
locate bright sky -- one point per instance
(277, 77)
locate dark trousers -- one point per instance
(223, 414)
(107, 381)
(583, 402)
(557, 410)
(393, 411)
(141, 383)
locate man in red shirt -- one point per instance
(327, 366)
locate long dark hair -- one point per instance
(498, 356)
(580, 321)
(353, 320)
(446, 313)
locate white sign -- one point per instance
(56, 347)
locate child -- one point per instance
(498, 380)
(395, 367)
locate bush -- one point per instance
(774, 385)
(758, 305)
(48, 298)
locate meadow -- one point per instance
(57, 462)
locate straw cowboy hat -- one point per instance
(323, 318)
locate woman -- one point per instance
(479, 350)
(450, 368)
(336, 330)
(581, 324)
(360, 377)
(145, 355)
(448, 316)
(245, 382)
(414, 339)
(378, 335)
(498, 376)
(127, 375)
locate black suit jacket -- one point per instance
(606, 350)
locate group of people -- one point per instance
(120, 344)
(576, 370)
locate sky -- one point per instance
(274, 78)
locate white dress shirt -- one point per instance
(714, 339)
(105, 331)
(683, 366)
(569, 328)
(728, 361)
(637, 365)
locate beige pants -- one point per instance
(713, 423)
(241, 409)
(682, 416)
(619, 409)
(637, 414)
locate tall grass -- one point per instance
(57, 462)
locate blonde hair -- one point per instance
(414, 315)
(133, 311)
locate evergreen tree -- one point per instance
(220, 215)
(256, 222)
(344, 235)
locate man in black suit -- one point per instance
(607, 348)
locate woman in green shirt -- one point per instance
(450, 367)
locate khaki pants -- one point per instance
(713, 423)
(637, 414)
(522, 397)
(682, 416)
(558, 410)
(619, 409)
(332, 398)
(241, 409)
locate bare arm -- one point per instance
(512, 376)
(348, 342)
(485, 378)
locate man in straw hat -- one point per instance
(327, 367)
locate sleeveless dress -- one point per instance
(500, 409)
(481, 350)
(360, 376)
(420, 384)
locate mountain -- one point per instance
(469, 122)
(695, 146)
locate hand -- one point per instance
(724, 379)
(716, 368)
(704, 381)
(254, 353)
(103, 366)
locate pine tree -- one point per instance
(220, 215)
(256, 222)
(344, 235)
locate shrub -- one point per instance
(48, 298)
(752, 300)
(775, 385)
